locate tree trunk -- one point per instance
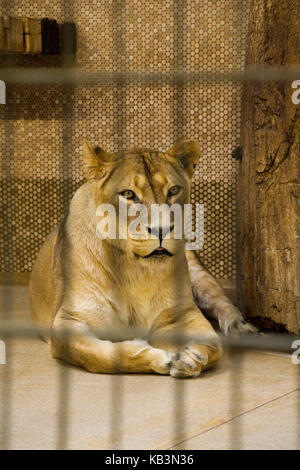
(269, 176)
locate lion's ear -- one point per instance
(96, 161)
(187, 153)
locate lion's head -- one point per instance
(138, 179)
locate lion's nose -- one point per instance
(160, 232)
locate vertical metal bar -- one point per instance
(116, 417)
(179, 14)
(236, 357)
(119, 54)
(68, 99)
(298, 407)
(63, 408)
(7, 301)
(297, 383)
(119, 90)
(68, 102)
(6, 373)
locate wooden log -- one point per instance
(33, 35)
(14, 36)
(269, 174)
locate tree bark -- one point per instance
(269, 174)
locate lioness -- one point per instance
(103, 290)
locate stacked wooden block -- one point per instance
(36, 36)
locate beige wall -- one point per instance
(38, 140)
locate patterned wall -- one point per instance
(42, 128)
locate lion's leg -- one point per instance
(73, 342)
(211, 298)
(197, 345)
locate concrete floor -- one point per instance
(249, 402)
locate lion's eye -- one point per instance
(174, 190)
(128, 194)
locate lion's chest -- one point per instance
(136, 300)
(141, 302)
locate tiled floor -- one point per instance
(249, 402)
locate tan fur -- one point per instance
(104, 291)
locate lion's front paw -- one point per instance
(232, 321)
(162, 361)
(243, 326)
(190, 362)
